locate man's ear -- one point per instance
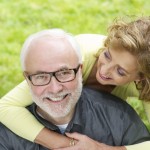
(81, 68)
(25, 76)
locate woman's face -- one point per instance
(116, 67)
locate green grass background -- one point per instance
(20, 18)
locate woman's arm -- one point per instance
(140, 146)
(52, 140)
(86, 143)
(17, 118)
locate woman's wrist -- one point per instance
(48, 138)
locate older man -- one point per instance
(52, 66)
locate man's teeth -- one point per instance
(57, 98)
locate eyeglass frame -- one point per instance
(51, 75)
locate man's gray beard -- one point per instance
(55, 111)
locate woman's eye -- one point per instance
(107, 55)
(120, 72)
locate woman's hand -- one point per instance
(86, 143)
(51, 139)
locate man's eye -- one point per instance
(65, 72)
(39, 76)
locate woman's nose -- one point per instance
(106, 69)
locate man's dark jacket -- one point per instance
(101, 116)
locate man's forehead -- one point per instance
(51, 43)
(50, 39)
(51, 57)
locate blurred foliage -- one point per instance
(138, 107)
(18, 19)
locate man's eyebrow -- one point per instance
(64, 68)
(60, 69)
(37, 72)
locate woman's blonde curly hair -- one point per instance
(134, 36)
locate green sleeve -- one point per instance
(146, 106)
(126, 92)
(15, 116)
(90, 45)
(140, 146)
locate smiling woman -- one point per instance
(117, 66)
(123, 58)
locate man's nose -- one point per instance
(55, 86)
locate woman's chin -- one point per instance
(102, 82)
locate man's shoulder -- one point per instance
(3, 130)
(105, 103)
(12, 141)
(5, 137)
(101, 98)
(109, 113)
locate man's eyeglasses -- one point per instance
(41, 79)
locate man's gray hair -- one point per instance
(52, 33)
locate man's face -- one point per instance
(50, 55)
